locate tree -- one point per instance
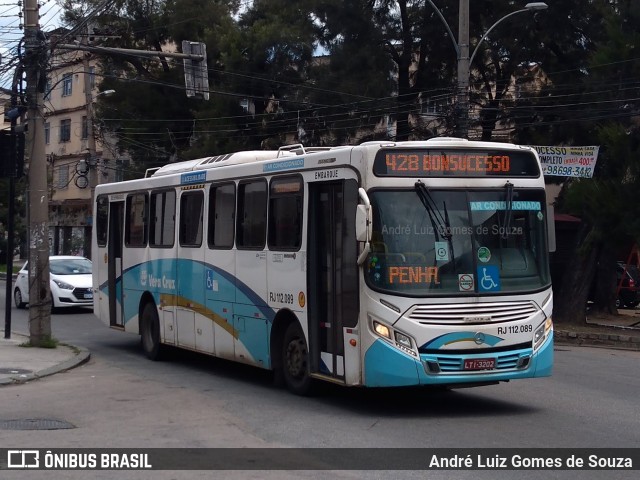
(154, 120)
(607, 203)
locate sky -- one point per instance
(11, 31)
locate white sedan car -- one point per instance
(70, 280)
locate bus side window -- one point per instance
(102, 220)
(191, 209)
(222, 211)
(163, 214)
(285, 214)
(136, 220)
(251, 223)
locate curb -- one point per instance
(81, 357)
(623, 342)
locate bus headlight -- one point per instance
(398, 339)
(541, 333)
(381, 330)
(403, 340)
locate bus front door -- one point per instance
(114, 264)
(332, 276)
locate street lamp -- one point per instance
(464, 61)
(529, 7)
(111, 92)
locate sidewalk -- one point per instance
(20, 364)
(620, 331)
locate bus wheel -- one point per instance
(295, 361)
(150, 332)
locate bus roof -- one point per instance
(236, 158)
(288, 151)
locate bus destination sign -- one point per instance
(455, 163)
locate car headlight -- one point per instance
(63, 285)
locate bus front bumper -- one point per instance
(386, 366)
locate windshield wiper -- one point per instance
(508, 212)
(439, 222)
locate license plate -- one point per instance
(88, 295)
(480, 363)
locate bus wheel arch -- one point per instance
(290, 359)
(150, 328)
(278, 329)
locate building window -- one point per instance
(92, 78)
(85, 127)
(63, 177)
(47, 133)
(67, 84)
(65, 130)
(119, 174)
(47, 90)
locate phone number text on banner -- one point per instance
(568, 161)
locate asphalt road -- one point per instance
(121, 399)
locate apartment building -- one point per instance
(5, 106)
(80, 154)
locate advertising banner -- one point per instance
(568, 161)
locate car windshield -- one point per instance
(70, 266)
(444, 242)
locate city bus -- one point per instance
(384, 264)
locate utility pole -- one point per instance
(92, 165)
(39, 289)
(462, 117)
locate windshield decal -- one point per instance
(489, 278)
(484, 254)
(502, 205)
(466, 282)
(442, 251)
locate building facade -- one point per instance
(80, 154)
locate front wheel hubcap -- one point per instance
(296, 358)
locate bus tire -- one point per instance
(150, 332)
(295, 361)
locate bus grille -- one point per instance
(470, 313)
(454, 363)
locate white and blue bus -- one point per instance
(378, 265)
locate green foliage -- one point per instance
(44, 342)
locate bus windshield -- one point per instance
(456, 242)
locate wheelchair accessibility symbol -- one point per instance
(212, 283)
(488, 278)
